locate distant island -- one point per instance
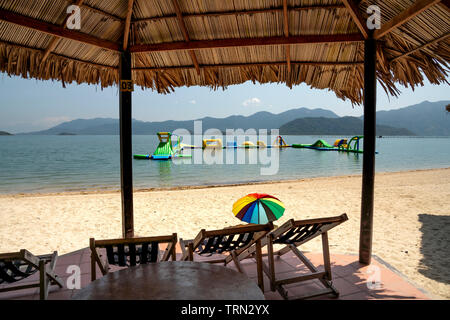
(347, 126)
(4, 133)
(66, 134)
(423, 119)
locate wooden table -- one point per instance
(172, 280)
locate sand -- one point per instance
(411, 221)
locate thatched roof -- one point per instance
(218, 43)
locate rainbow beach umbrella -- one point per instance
(258, 208)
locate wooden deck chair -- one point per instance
(130, 252)
(293, 234)
(233, 240)
(20, 265)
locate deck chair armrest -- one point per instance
(335, 220)
(282, 229)
(95, 259)
(198, 240)
(30, 258)
(48, 257)
(184, 244)
(170, 249)
(103, 265)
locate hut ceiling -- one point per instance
(217, 43)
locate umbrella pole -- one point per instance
(368, 174)
(126, 166)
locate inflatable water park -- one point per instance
(344, 145)
(166, 151)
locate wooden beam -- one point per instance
(424, 46)
(56, 30)
(97, 65)
(50, 48)
(417, 8)
(285, 18)
(126, 31)
(254, 64)
(54, 42)
(357, 17)
(246, 42)
(287, 47)
(239, 12)
(185, 33)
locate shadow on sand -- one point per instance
(435, 247)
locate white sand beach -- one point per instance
(411, 221)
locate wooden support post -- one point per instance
(126, 170)
(43, 280)
(271, 261)
(368, 174)
(259, 263)
(326, 256)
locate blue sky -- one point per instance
(29, 105)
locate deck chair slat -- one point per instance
(227, 242)
(132, 254)
(144, 253)
(5, 276)
(110, 254)
(311, 230)
(211, 245)
(10, 271)
(236, 244)
(154, 252)
(122, 259)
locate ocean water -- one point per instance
(75, 163)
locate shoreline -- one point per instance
(197, 187)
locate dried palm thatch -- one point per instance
(218, 43)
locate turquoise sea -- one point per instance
(73, 163)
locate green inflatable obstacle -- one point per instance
(164, 150)
(352, 146)
(315, 145)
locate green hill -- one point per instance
(4, 133)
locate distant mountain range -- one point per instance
(260, 120)
(4, 133)
(348, 126)
(424, 119)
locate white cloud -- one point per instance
(251, 102)
(193, 102)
